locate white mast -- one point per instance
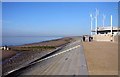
(104, 20)
(96, 19)
(91, 16)
(111, 24)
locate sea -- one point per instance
(21, 40)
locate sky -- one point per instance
(54, 18)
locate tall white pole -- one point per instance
(96, 23)
(96, 19)
(91, 22)
(103, 20)
(111, 24)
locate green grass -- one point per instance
(42, 47)
(34, 48)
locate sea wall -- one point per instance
(102, 37)
(106, 37)
(116, 39)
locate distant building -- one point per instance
(107, 30)
(106, 33)
(103, 33)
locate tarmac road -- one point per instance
(68, 61)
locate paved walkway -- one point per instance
(70, 62)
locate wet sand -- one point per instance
(102, 57)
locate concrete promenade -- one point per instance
(68, 61)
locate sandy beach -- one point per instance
(102, 57)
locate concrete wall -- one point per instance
(116, 38)
(102, 37)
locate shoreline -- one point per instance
(33, 37)
(27, 56)
(42, 43)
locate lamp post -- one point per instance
(91, 16)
